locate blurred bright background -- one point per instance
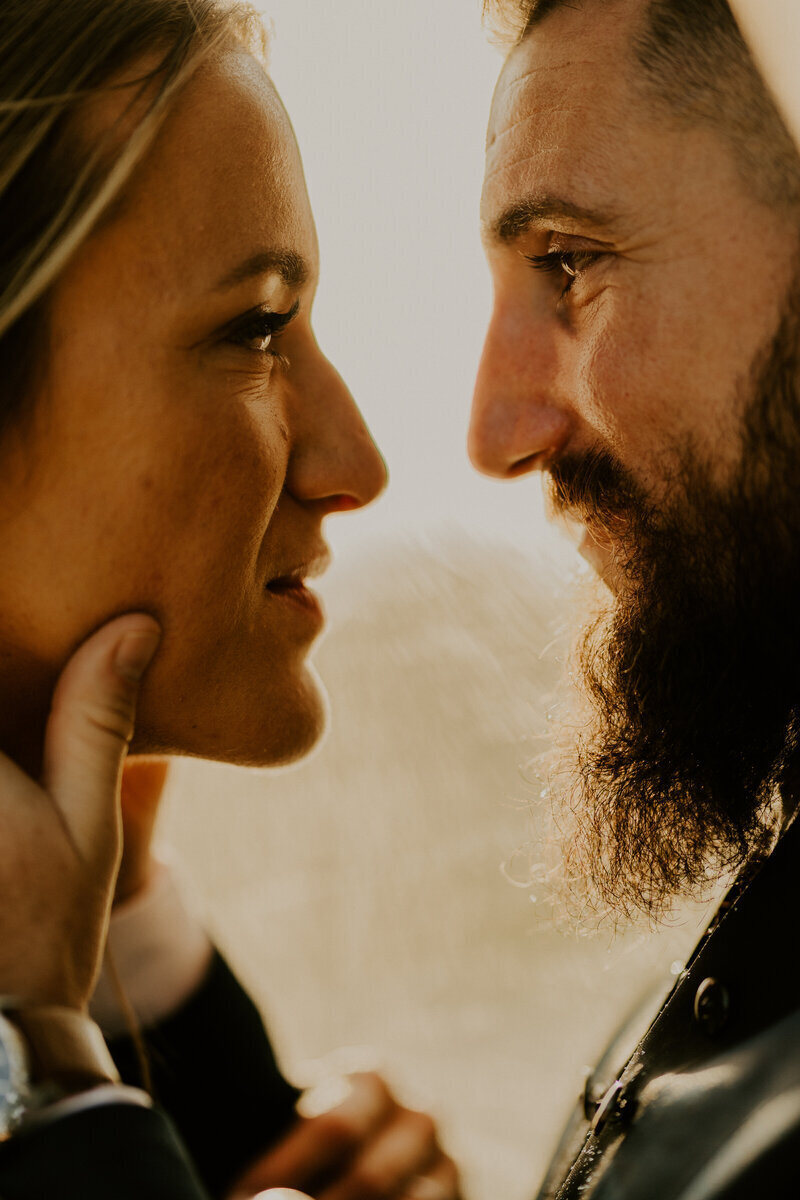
(390, 104)
(361, 895)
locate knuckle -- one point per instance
(113, 718)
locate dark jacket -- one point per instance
(222, 1101)
(708, 1105)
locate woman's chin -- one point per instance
(305, 721)
(247, 736)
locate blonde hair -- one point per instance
(55, 186)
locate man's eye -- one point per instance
(569, 264)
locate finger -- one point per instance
(317, 1148)
(91, 723)
(400, 1150)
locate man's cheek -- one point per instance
(611, 392)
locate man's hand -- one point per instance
(367, 1148)
(143, 782)
(60, 843)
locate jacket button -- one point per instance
(712, 1004)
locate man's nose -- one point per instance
(517, 422)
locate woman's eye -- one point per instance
(568, 264)
(258, 329)
(258, 339)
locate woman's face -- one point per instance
(179, 462)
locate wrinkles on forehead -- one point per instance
(510, 96)
(560, 122)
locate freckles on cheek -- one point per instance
(190, 506)
(231, 489)
(244, 467)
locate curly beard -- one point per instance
(686, 719)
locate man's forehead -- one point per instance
(560, 113)
(575, 56)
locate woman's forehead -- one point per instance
(222, 179)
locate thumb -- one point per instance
(91, 724)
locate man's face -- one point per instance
(635, 277)
(634, 355)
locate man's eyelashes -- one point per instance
(570, 264)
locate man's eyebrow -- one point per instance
(292, 268)
(542, 210)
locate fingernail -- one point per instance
(135, 653)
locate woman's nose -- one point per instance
(517, 422)
(334, 463)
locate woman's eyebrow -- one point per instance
(291, 266)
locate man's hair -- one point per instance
(698, 68)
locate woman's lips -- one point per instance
(293, 590)
(290, 587)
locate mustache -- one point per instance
(593, 486)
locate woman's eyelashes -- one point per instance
(569, 264)
(260, 328)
